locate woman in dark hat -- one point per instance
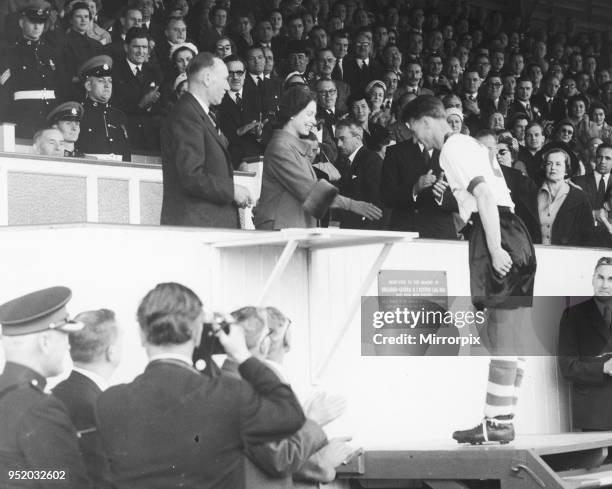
(291, 196)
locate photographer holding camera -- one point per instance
(174, 427)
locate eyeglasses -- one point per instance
(326, 93)
(496, 85)
(238, 73)
(569, 132)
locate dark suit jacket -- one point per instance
(197, 170)
(80, 395)
(329, 121)
(516, 107)
(143, 130)
(555, 112)
(361, 181)
(271, 465)
(524, 194)
(231, 118)
(36, 432)
(574, 224)
(174, 427)
(583, 335)
(587, 183)
(264, 102)
(402, 167)
(358, 78)
(207, 39)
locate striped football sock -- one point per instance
(501, 390)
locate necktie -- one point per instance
(601, 189)
(426, 157)
(213, 119)
(139, 75)
(608, 316)
(528, 110)
(238, 100)
(259, 83)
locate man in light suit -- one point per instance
(95, 353)
(585, 346)
(199, 188)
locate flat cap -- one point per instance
(37, 11)
(38, 311)
(68, 111)
(97, 66)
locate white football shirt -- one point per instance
(466, 163)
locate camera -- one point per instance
(209, 343)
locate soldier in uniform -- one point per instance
(29, 72)
(38, 445)
(103, 128)
(67, 118)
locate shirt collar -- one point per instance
(255, 78)
(233, 94)
(133, 66)
(204, 106)
(100, 381)
(564, 190)
(172, 356)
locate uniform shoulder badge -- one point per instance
(5, 76)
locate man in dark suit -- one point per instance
(409, 174)
(547, 102)
(130, 16)
(522, 103)
(340, 42)
(199, 188)
(262, 93)
(37, 433)
(173, 426)
(360, 177)
(239, 116)
(325, 62)
(328, 116)
(95, 354)
(585, 343)
(174, 33)
(598, 183)
(490, 101)
(136, 90)
(361, 68)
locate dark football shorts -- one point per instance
(515, 289)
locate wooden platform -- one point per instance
(562, 461)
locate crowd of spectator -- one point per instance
(533, 92)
